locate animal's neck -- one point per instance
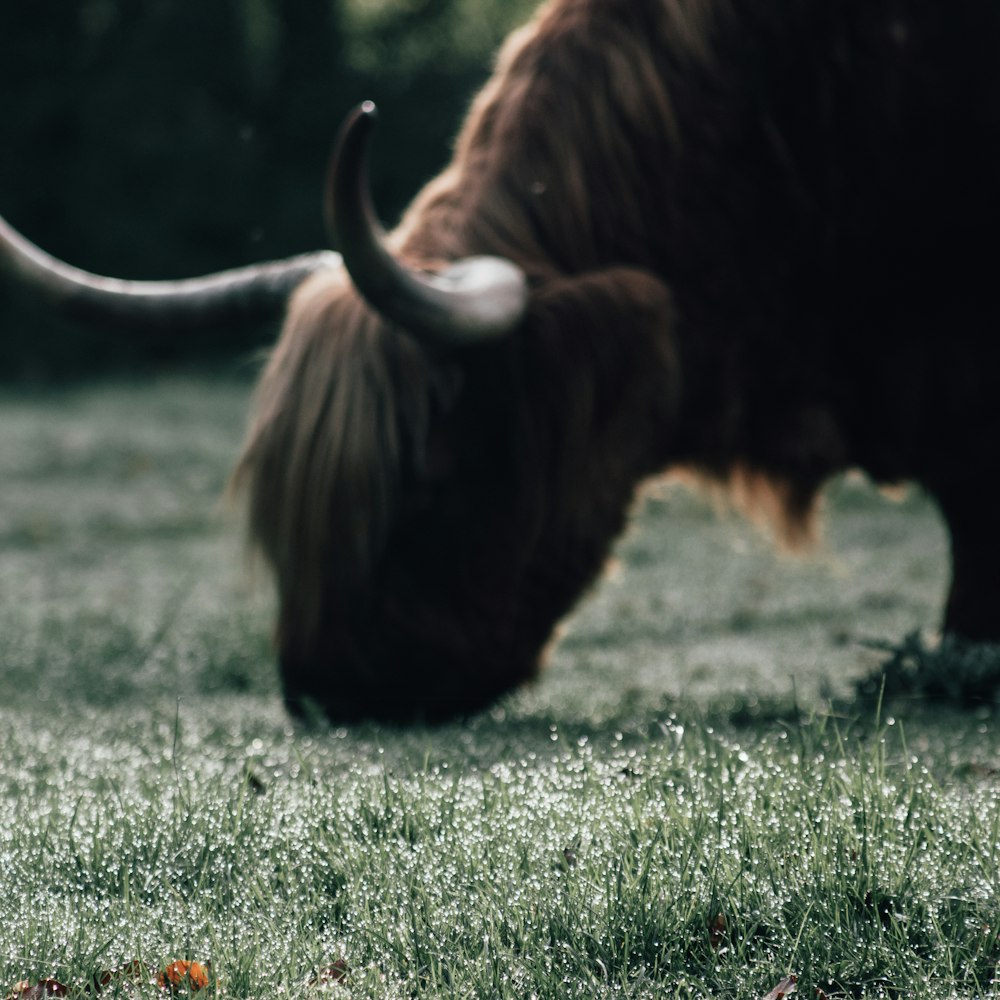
(601, 393)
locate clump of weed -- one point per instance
(953, 669)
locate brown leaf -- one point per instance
(24, 990)
(335, 972)
(717, 931)
(130, 972)
(784, 989)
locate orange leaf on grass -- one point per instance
(181, 975)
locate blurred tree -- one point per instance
(158, 138)
(300, 113)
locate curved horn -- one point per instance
(247, 291)
(477, 298)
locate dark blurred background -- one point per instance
(165, 138)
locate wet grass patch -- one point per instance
(690, 802)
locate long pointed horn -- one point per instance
(474, 299)
(259, 289)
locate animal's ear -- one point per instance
(612, 331)
(612, 297)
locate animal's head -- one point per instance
(380, 479)
(433, 470)
(374, 471)
(443, 447)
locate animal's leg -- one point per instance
(973, 609)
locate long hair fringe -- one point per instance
(321, 465)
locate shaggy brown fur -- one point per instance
(755, 236)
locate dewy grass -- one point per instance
(665, 814)
(697, 865)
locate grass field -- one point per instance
(690, 803)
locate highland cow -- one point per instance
(755, 240)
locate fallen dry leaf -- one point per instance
(130, 972)
(717, 931)
(181, 975)
(784, 989)
(26, 990)
(335, 972)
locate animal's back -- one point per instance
(828, 220)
